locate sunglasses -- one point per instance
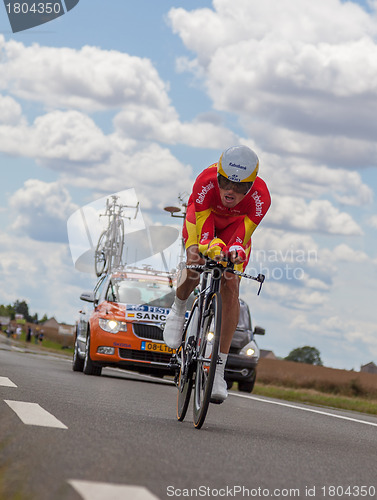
(237, 187)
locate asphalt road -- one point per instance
(116, 437)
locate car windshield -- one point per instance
(137, 291)
(244, 319)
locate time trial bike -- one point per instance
(196, 359)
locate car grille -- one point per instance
(150, 332)
(144, 356)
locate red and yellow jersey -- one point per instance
(208, 218)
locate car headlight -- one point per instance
(250, 350)
(112, 325)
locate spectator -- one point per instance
(18, 332)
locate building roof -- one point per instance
(265, 353)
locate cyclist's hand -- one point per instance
(215, 249)
(235, 253)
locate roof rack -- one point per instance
(145, 269)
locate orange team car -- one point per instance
(125, 326)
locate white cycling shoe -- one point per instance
(219, 388)
(174, 326)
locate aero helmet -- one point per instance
(238, 164)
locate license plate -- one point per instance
(155, 347)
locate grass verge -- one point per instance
(313, 397)
(45, 346)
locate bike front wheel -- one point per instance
(185, 354)
(117, 246)
(207, 349)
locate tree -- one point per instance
(22, 308)
(44, 319)
(306, 354)
(7, 311)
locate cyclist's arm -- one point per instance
(205, 229)
(239, 240)
(243, 232)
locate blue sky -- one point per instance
(146, 94)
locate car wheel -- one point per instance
(247, 385)
(77, 362)
(229, 384)
(89, 367)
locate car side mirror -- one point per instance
(87, 296)
(258, 330)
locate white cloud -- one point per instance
(10, 111)
(294, 177)
(69, 136)
(293, 213)
(305, 145)
(43, 276)
(373, 221)
(70, 143)
(41, 210)
(235, 22)
(163, 125)
(153, 171)
(296, 276)
(87, 79)
(344, 253)
(295, 83)
(335, 327)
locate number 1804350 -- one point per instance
(34, 8)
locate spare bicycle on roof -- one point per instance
(108, 253)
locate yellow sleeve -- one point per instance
(205, 229)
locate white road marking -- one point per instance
(6, 382)
(141, 375)
(304, 409)
(33, 414)
(90, 490)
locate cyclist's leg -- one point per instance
(186, 284)
(230, 316)
(189, 278)
(187, 281)
(231, 310)
(229, 320)
(230, 287)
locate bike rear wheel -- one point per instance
(100, 255)
(186, 372)
(208, 343)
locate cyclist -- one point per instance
(227, 203)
